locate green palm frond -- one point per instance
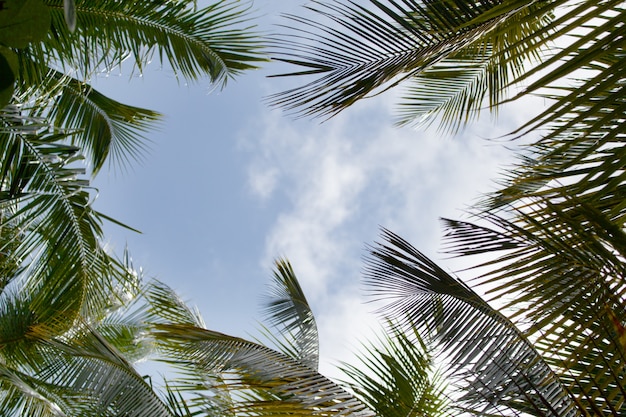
(126, 327)
(214, 41)
(465, 81)
(264, 381)
(20, 328)
(101, 126)
(563, 270)
(104, 382)
(455, 88)
(75, 373)
(54, 74)
(167, 307)
(582, 152)
(495, 366)
(365, 49)
(23, 395)
(396, 377)
(288, 311)
(45, 200)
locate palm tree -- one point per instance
(554, 232)
(60, 288)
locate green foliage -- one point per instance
(396, 377)
(72, 316)
(21, 22)
(288, 311)
(551, 239)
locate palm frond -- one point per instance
(264, 381)
(494, 364)
(104, 382)
(102, 127)
(453, 91)
(288, 311)
(46, 201)
(24, 395)
(126, 327)
(396, 377)
(213, 41)
(365, 49)
(581, 154)
(76, 373)
(167, 307)
(565, 277)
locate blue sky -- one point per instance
(230, 184)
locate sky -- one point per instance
(230, 184)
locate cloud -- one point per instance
(262, 180)
(343, 179)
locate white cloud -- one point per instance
(262, 180)
(346, 177)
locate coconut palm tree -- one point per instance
(558, 354)
(553, 234)
(60, 288)
(455, 59)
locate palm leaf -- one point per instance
(105, 383)
(75, 373)
(565, 277)
(495, 366)
(396, 377)
(288, 311)
(167, 307)
(363, 50)
(581, 155)
(102, 126)
(23, 395)
(46, 200)
(455, 88)
(212, 41)
(262, 381)
(216, 42)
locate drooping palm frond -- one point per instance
(261, 380)
(456, 89)
(213, 41)
(374, 45)
(78, 372)
(103, 128)
(288, 311)
(54, 74)
(103, 381)
(460, 101)
(581, 153)
(496, 368)
(396, 377)
(563, 271)
(23, 395)
(561, 215)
